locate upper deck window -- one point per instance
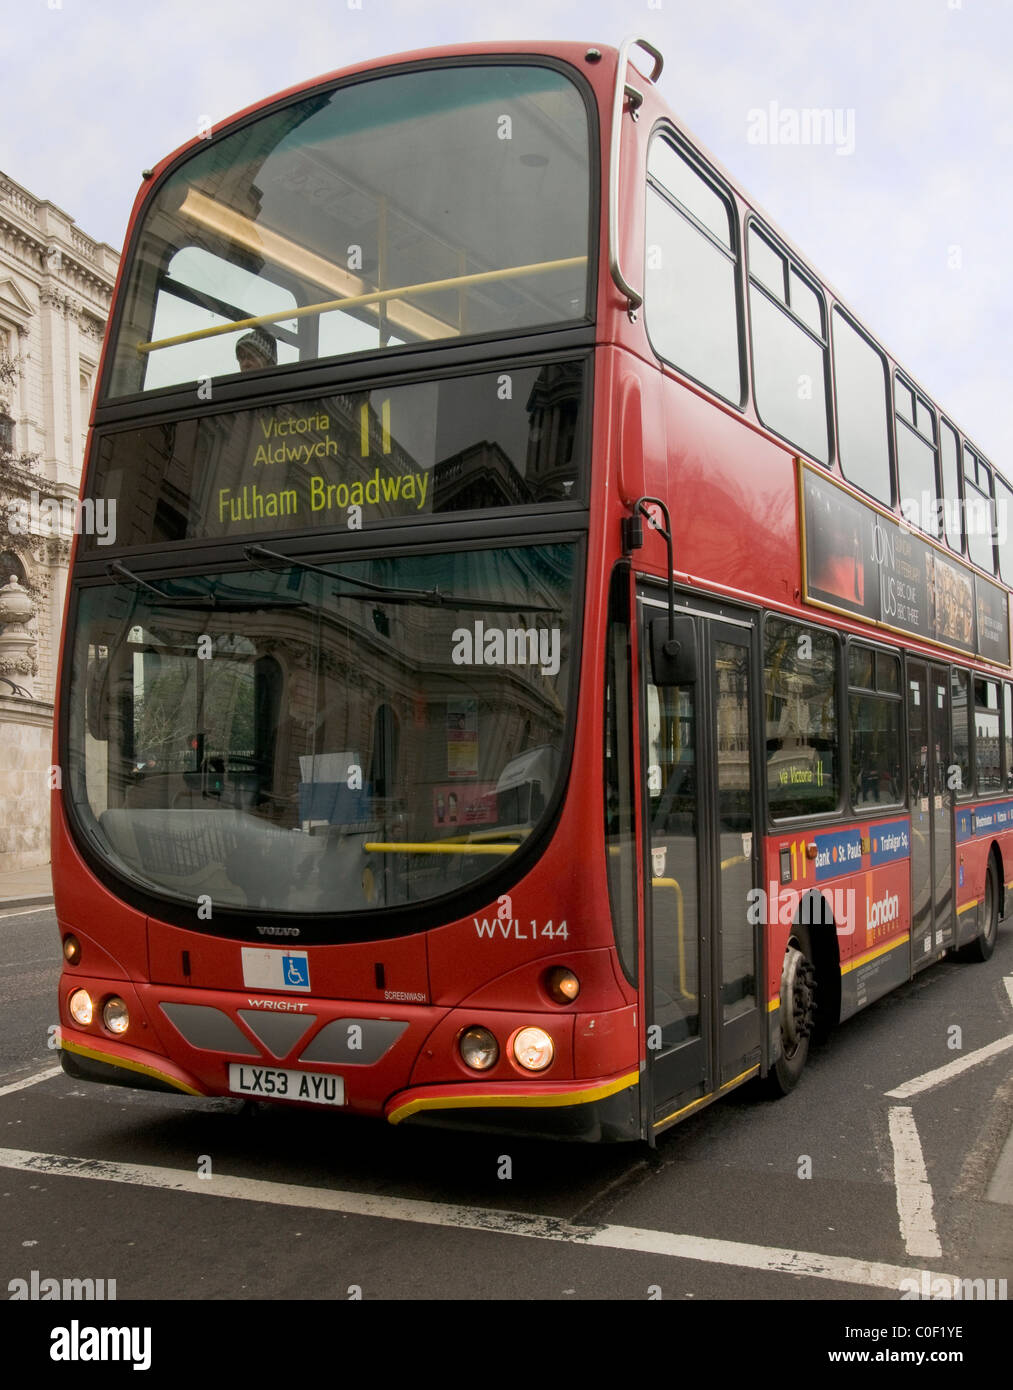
(949, 454)
(690, 296)
(916, 457)
(430, 205)
(979, 520)
(863, 424)
(789, 349)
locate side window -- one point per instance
(690, 301)
(874, 722)
(916, 458)
(1003, 521)
(1007, 735)
(800, 698)
(978, 520)
(961, 720)
(863, 424)
(6, 420)
(949, 459)
(986, 736)
(788, 334)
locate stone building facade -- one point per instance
(55, 288)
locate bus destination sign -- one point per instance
(482, 441)
(860, 561)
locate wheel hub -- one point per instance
(798, 998)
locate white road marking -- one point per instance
(837, 1268)
(1008, 982)
(914, 1195)
(27, 1081)
(929, 1079)
(26, 912)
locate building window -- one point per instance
(86, 387)
(11, 566)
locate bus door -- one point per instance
(928, 721)
(702, 932)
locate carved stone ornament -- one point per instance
(16, 605)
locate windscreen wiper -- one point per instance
(426, 598)
(202, 602)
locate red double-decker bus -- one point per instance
(549, 658)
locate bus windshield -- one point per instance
(406, 209)
(327, 737)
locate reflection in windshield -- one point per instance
(349, 754)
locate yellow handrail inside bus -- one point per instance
(480, 277)
(434, 847)
(681, 931)
(680, 919)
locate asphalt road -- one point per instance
(815, 1197)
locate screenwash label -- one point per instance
(267, 969)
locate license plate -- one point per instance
(274, 1083)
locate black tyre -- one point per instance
(983, 945)
(797, 1013)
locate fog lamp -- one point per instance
(479, 1049)
(115, 1015)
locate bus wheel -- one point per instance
(984, 944)
(797, 1013)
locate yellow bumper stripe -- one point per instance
(126, 1064)
(474, 1101)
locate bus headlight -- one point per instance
(532, 1049)
(115, 1015)
(71, 950)
(479, 1049)
(82, 1009)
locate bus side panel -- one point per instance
(978, 829)
(862, 873)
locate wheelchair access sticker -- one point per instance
(267, 969)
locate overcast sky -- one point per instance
(911, 225)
